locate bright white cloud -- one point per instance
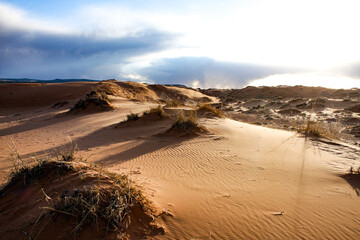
(134, 77)
(315, 34)
(15, 19)
(309, 79)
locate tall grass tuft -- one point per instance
(155, 110)
(132, 117)
(99, 99)
(106, 205)
(184, 124)
(319, 129)
(208, 108)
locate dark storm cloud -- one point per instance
(49, 53)
(209, 72)
(82, 45)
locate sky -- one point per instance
(207, 44)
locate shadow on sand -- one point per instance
(354, 181)
(128, 142)
(38, 122)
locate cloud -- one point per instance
(308, 79)
(206, 72)
(135, 77)
(12, 18)
(42, 52)
(168, 45)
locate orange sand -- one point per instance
(239, 182)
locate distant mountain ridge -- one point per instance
(57, 80)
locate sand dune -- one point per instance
(237, 181)
(240, 184)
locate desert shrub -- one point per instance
(354, 171)
(132, 117)
(155, 110)
(108, 207)
(208, 108)
(311, 128)
(184, 124)
(24, 173)
(27, 174)
(106, 200)
(319, 129)
(99, 99)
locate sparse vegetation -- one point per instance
(185, 124)
(207, 108)
(132, 117)
(104, 200)
(155, 110)
(25, 174)
(105, 207)
(319, 129)
(153, 114)
(353, 171)
(311, 128)
(96, 98)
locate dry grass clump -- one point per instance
(319, 129)
(106, 208)
(94, 200)
(132, 117)
(156, 110)
(207, 108)
(173, 103)
(98, 99)
(353, 171)
(24, 174)
(148, 116)
(185, 124)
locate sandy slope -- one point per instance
(235, 183)
(230, 184)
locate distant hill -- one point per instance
(29, 80)
(280, 91)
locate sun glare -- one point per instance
(319, 35)
(336, 82)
